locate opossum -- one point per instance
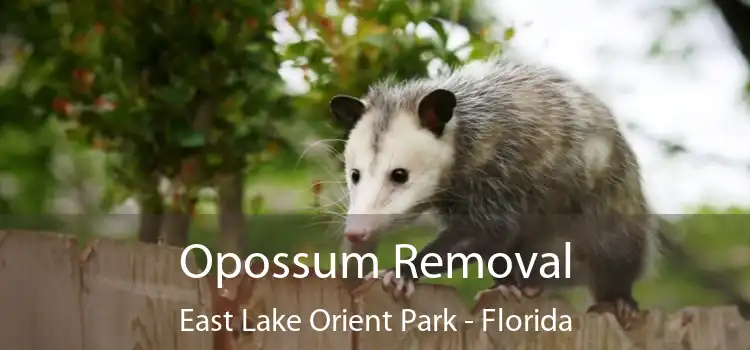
(509, 157)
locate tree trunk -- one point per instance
(232, 222)
(152, 210)
(176, 223)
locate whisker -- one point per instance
(314, 144)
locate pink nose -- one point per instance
(355, 237)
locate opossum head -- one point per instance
(395, 158)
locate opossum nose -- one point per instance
(355, 236)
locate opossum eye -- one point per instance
(355, 176)
(400, 176)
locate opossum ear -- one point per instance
(436, 109)
(346, 110)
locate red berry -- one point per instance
(61, 105)
(327, 24)
(104, 104)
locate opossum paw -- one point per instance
(400, 288)
(626, 312)
(532, 292)
(371, 275)
(511, 292)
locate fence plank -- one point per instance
(431, 300)
(691, 328)
(39, 289)
(707, 328)
(225, 301)
(120, 295)
(133, 295)
(292, 296)
(546, 324)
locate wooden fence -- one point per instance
(113, 295)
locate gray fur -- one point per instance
(520, 181)
(521, 128)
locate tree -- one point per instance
(189, 91)
(184, 90)
(381, 47)
(337, 62)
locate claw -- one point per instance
(410, 288)
(503, 290)
(367, 281)
(509, 292)
(532, 292)
(371, 275)
(399, 287)
(388, 277)
(626, 314)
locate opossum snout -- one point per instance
(359, 228)
(356, 236)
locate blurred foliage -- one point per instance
(676, 42)
(676, 17)
(189, 89)
(679, 16)
(22, 153)
(354, 46)
(181, 89)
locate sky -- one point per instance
(697, 102)
(604, 45)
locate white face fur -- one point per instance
(386, 183)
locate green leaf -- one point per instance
(175, 96)
(257, 203)
(510, 32)
(438, 26)
(214, 159)
(656, 48)
(297, 49)
(389, 9)
(481, 50)
(377, 40)
(310, 8)
(399, 20)
(220, 32)
(192, 139)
